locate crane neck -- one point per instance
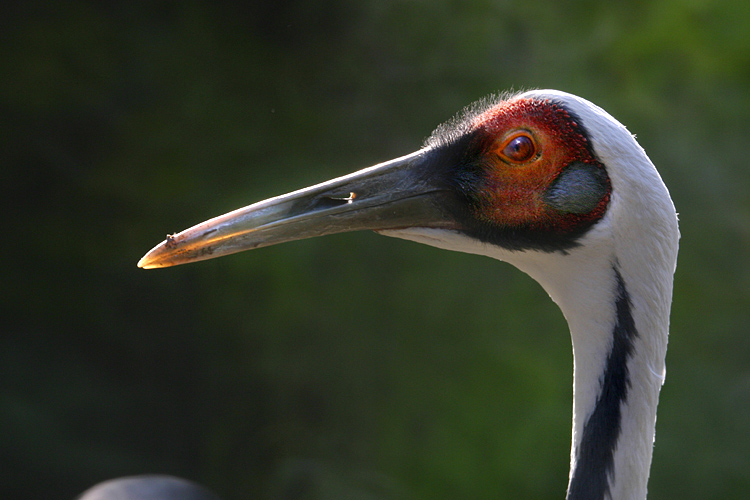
(619, 322)
(615, 401)
(616, 297)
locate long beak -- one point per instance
(400, 193)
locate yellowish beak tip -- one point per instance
(154, 258)
(143, 264)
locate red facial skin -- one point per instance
(512, 194)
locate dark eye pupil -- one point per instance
(519, 149)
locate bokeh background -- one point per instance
(352, 366)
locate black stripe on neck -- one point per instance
(595, 454)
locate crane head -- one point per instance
(518, 172)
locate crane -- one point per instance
(557, 187)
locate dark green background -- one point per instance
(352, 366)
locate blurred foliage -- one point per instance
(352, 366)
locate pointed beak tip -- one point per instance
(145, 264)
(154, 258)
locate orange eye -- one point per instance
(518, 148)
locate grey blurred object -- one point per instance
(148, 487)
